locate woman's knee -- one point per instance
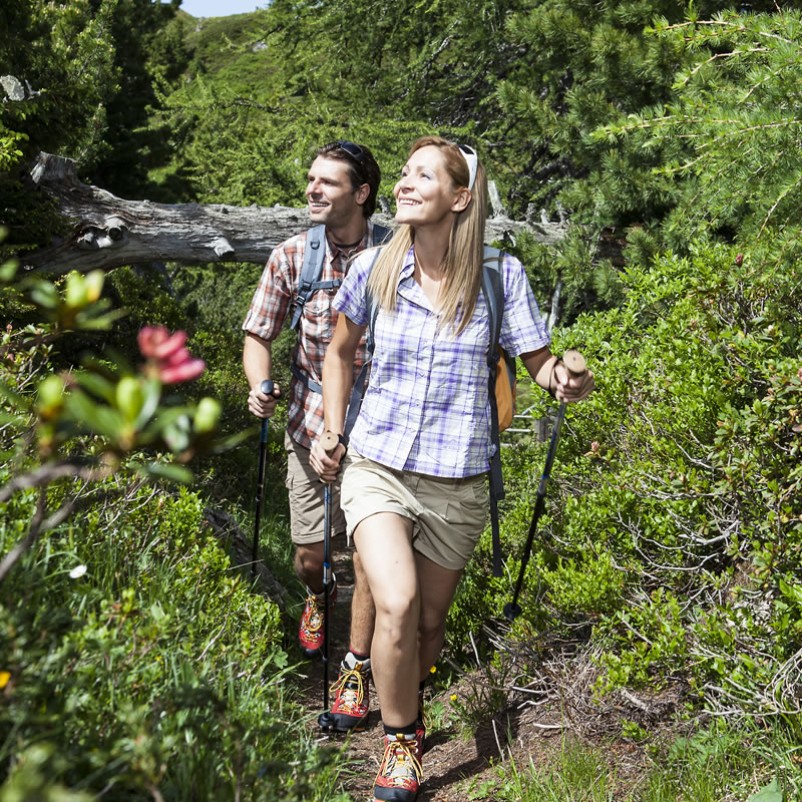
(432, 626)
(397, 611)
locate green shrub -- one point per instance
(142, 662)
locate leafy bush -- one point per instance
(141, 662)
(135, 661)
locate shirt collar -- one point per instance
(347, 254)
(408, 268)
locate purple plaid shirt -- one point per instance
(426, 408)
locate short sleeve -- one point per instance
(273, 297)
(522, 329)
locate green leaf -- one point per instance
(153, 390)
(97, 385)
(169, 471)
(224, 444)
(769, 793)
(792, 592)
(45, 295)
(94, 417)
(16, 399)
(17, 421)
(8, 270)
(177, 433)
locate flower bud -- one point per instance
(130, 397)
(51, 396)
(207, 415)
(75, 293)
(94, 285)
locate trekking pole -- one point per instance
(329, 441)
(575, 364)
(267, 388)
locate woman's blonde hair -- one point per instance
(463, 260)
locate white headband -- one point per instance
(471, 159)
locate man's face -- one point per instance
(331, 198)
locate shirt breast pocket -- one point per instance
(319, 315)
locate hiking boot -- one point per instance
(351, 692)
(400, 773)
(310, 627)
(420, 736)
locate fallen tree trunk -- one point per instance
(110, 232)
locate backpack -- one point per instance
(501, 383)
(309, 283)
(501, 388)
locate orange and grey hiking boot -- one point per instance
(310, 627)
(351, 692)
(400, 774)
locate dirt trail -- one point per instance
(453, 764)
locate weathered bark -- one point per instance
(109, 231)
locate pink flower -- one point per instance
(185, 372)
(168, 358)
(172, 345)
(152, 339)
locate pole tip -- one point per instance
(512, 611)
(325, 722)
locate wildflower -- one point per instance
(78, 572)
(5, 678)
(453, 697)
(168, 358)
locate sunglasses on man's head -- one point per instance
(351, 148)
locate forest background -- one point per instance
(137, 661)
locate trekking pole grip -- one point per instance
(329, 441)
(267, 388)
(574, 363)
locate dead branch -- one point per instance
(109, 232)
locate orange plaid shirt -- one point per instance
(272, 305)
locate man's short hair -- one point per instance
(362, 168)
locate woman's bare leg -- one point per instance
(437, 588)
(384, 542)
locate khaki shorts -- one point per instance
(306, 498)
(448, 515)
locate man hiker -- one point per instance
(341, 190)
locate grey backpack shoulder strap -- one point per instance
(493, 289)
(311, 270)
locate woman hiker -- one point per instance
(414, 490)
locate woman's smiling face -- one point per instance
(425, 194)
